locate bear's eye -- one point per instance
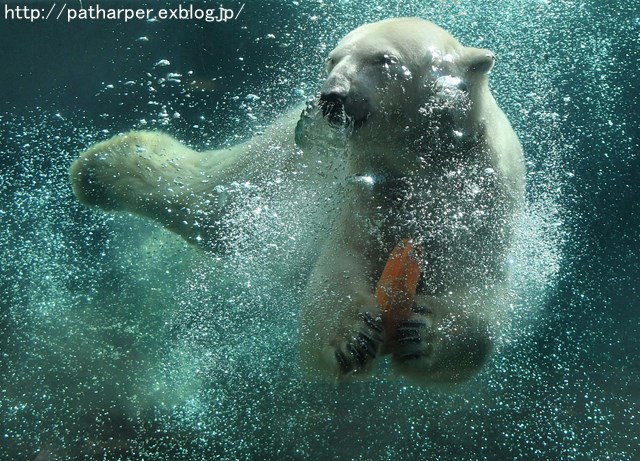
(388, 59)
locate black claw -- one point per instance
(407, 333)
(409, 340)
(369, 344)
(364, 347)
(345, 365)
(358, 354)
(374, 323)
(412, 324)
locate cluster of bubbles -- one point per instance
(313, 129)
(119, 341)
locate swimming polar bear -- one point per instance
(415, 266)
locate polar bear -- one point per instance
(434, 183)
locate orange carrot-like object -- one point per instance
(396, 289)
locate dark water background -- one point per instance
(118, 342)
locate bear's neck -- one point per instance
(436, 149)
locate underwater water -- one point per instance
(118, 341)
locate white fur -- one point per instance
(442, 166)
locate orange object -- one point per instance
(396, 289)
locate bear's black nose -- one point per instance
(332, 105)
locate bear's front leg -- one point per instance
(151, 174)
(341, 327)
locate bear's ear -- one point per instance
(477, 60)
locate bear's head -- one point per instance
(395, 76)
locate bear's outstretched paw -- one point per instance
(358, 353)
(414, 337)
